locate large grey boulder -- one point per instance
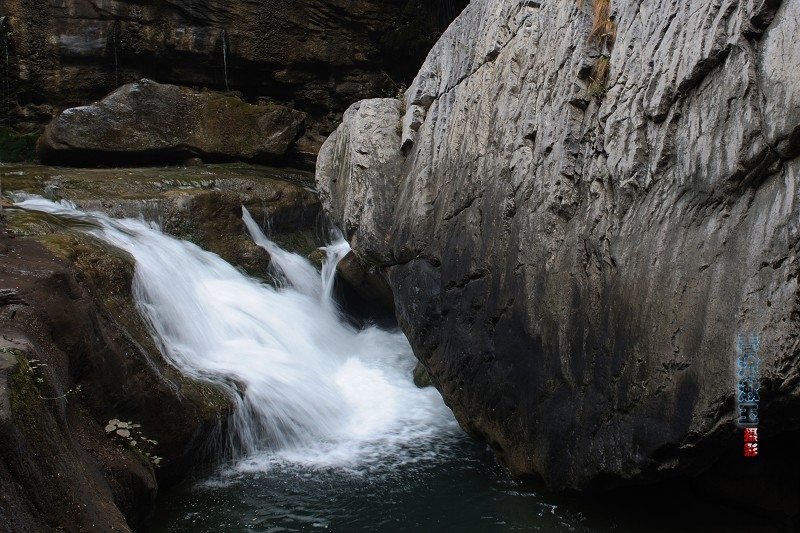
(147, 122)
(572, 270)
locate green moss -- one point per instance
(422, 378)
(213, 400)
(31, 413)
(16, 147)
(146, 183)
(25, 399)
(109, 270)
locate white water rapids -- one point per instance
(310, 389)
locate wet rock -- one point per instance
(321, 54)
(364, 292)
(74, 354)
(572, 266)
(201, 204)
(421, 376)
(149, 123)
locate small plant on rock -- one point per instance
(598, 79)
(35, 365)
(130, 433)
(603, 33)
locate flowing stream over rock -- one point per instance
(310, 388)
(329, 431)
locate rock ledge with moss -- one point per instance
(150, 123)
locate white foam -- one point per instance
(316, 392)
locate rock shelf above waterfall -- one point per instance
(146, 123)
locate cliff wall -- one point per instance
(318, 55)
(573, 252)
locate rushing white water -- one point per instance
(310, 389)
(296, 271)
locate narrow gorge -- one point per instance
(267, 266)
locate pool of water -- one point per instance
(456, 487)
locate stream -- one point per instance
(330, 433)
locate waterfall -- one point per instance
(7, 85)
(297, 271)
(116, 61)
(335, 252)
(291, 268)
(309, 388)
(225, 57)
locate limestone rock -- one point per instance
(74, 354)
(363, 155)
(146, 122)
(572, 271)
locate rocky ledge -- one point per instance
(149, 123)
(75, 355)
(573, 252)
(322, 55)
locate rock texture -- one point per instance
(147, 122)
(198, 204)
(74, 355)
(572, 271)
(320, 54)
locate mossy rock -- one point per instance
(16, 147)
(422, 378)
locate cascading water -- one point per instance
(116, 60)
(310, 389)
(225, 57)
(330, 432)
(296, 270)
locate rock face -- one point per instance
(73, 356)
(572, 270)
(321, 54)
(147, 122)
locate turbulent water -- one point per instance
(329, 432)
(316, 391)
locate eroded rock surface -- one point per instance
(74, 355)
(321, 55)
(573, 270)
(149, 123)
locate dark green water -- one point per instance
(439, 492)
(458, 488)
